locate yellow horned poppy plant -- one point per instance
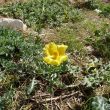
(55, 54)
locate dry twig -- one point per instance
(47, 100)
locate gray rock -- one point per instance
(89, 49)
(13, 23)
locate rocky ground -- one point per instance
(74, 95)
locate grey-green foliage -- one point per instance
(106, 11)
(6, 99)
(17, 54)
(100, 75)
(96, 72)
(31, 86)
(105, 72)
(98, 103)
(101, 41)
(23, 56)
(104, 7)
(39, 13)
(93, 75)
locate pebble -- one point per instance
(13, 23)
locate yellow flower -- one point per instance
(55, 54)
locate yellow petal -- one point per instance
(61, 49)
(45, 49)
(63, 58)
(51, 61)
(46, 52)
(47, 59)
(55, 62)
(55, 54)
(52, 48)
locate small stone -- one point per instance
(89, 49)
(13, 23)
(97, 11)
(71, 1)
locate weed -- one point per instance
(40, 13)
(98, 103)
(104, 7)
(96, 73)
(68, 36)
(21, 57)
(101, 42)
